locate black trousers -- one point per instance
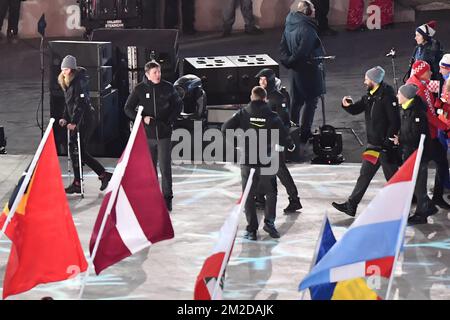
(187, 13)
(86, 158)
(161, 154)
(439, 156)
(367, 172)
(13, 9)
(420, 191)
(285, 178)
(322, 9)
(268, 186)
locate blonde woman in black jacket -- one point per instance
(79, 116)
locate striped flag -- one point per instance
(213, 270)
(372, 241)
(138, 216)
(371, 156)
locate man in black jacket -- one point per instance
(79, 115)
(414, 123)
(258, 118)
(382, 123)
(300, 48)
(162, 105)
(277, 102)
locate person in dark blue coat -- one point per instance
(300, 48)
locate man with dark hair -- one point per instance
(278, 103)
(162, 105)
(382, 123)
(300, 48)
(258, 118)
(13, 9)
(229, 16)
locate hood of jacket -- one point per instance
(295, 19)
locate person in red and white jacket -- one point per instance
(420, 76)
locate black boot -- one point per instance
(75, 187)
(271, 230)
(346, 208)
(104, 178)
(417, 219)
(294, 205)
(250, 235)
(441, 203)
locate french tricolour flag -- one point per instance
(374, 239)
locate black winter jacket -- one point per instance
(430, 52)
(160, 101)
(381, 114)
(300, 45)
(278, 103)
(78, 109)
(414, 123)
(257, 116)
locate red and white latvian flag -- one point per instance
(206, 286)
(138, 215)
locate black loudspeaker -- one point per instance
(104, 141)
(87, 53)
(229, 80)
(219, 78)
(162, 43)
(248, 67)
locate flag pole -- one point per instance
(401, 234)
(27, 178)
(316, 250)
(228, 252)
(114, 191)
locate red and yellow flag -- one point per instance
(371, 156)
(45, 244)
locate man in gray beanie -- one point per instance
(382, 123)
(376, 74)
(414, 123)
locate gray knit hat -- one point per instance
(409, 91)
(69, 62)
(376, 74)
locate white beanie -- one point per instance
(445, 61)
(427, 30)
